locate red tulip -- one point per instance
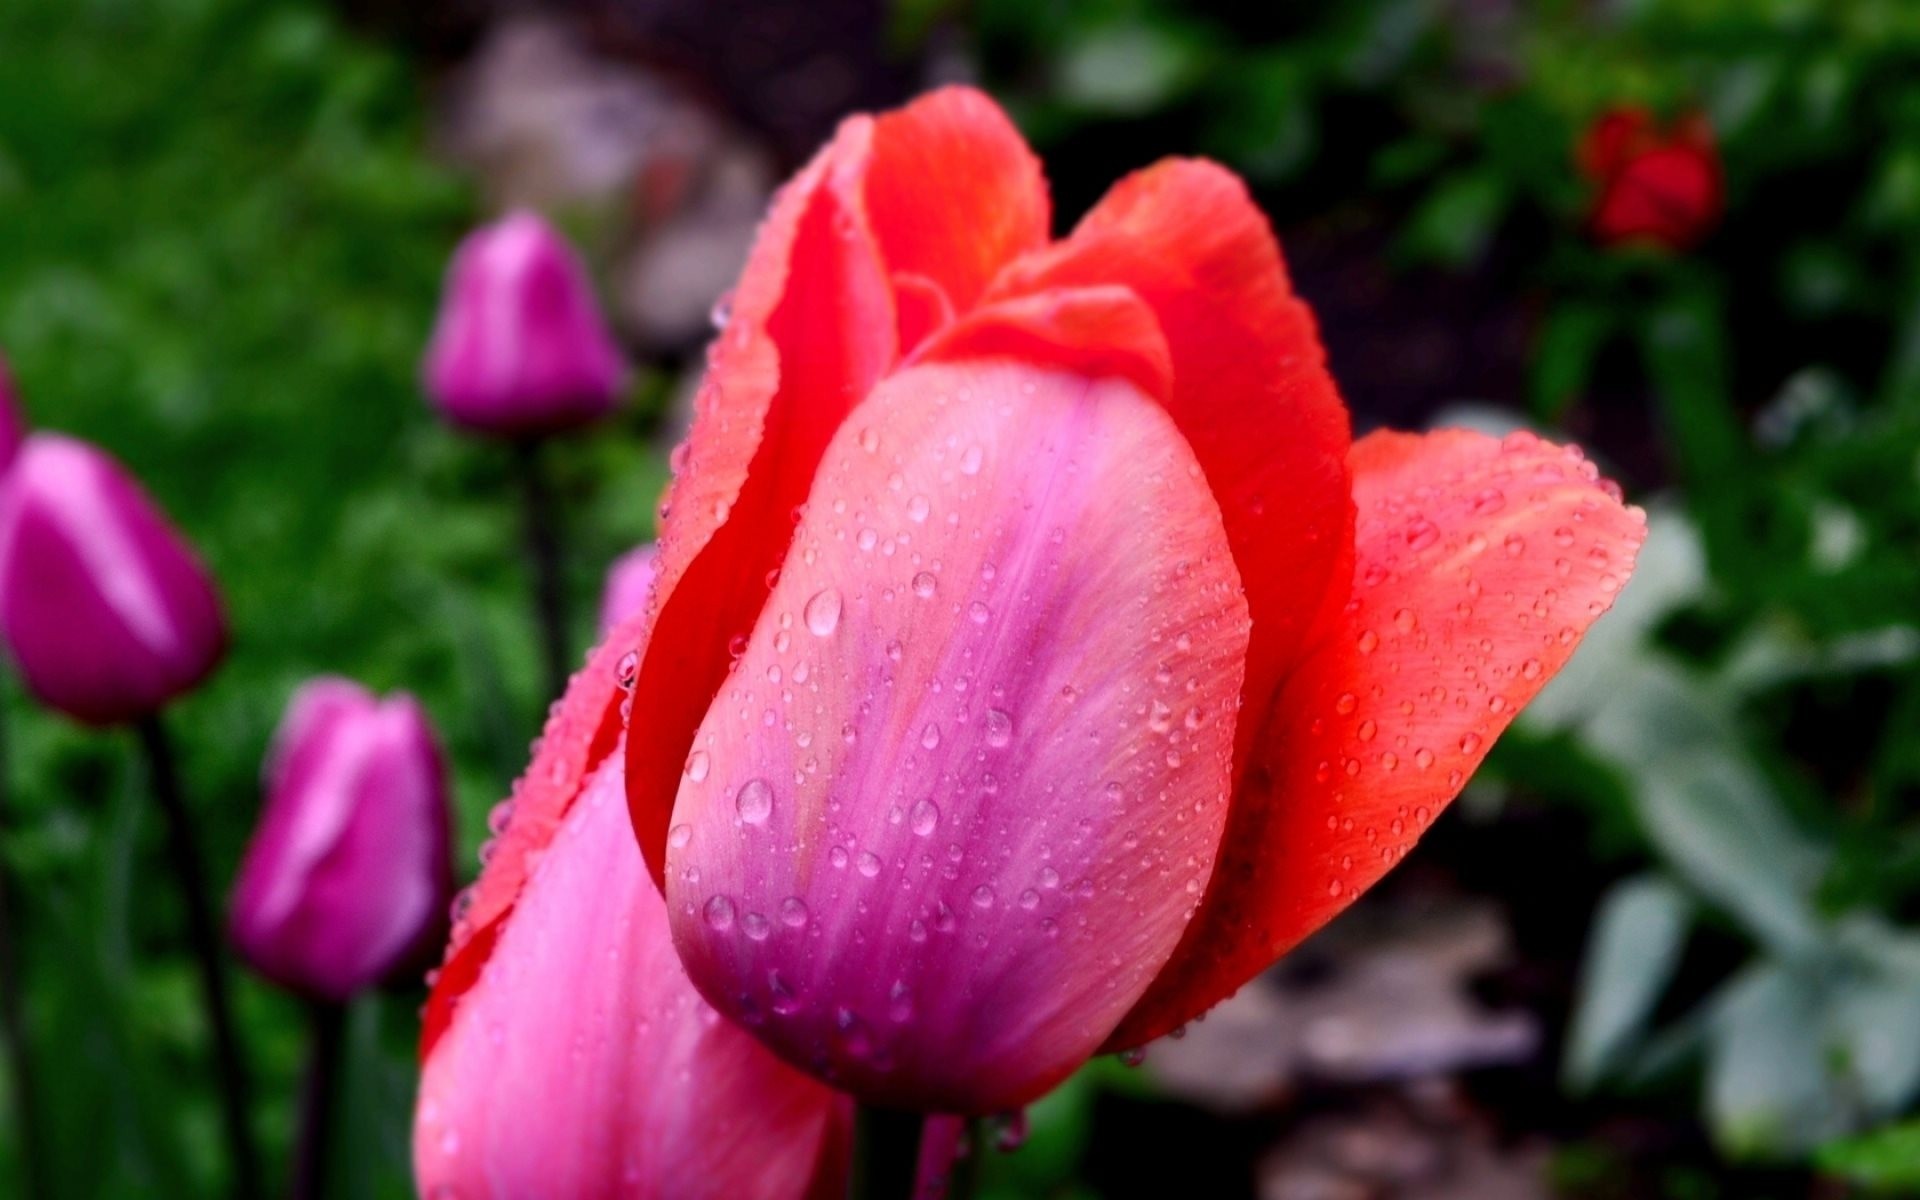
(581, 1061)
(1653, 184)
(1099, 669)
(520, 348)
(350, 870)
(105, 608)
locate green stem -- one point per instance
(191, 878)
(317, 1101)
(13, 1025)
(886, 1154)
(545, 562)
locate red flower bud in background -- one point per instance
(520, 348)
(349, 873)
(581, 1061)
(104, 607)
(629, 581)
(1652, 184)
(13, 428)
(1100, 668)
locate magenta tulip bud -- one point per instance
(520, 348)
(628, 582)
(105, 609)
(13, 428)
(349, 874)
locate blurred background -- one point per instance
(1667, 945)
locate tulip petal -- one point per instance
(584, 1063)
(958, 800)
(1090, 331)
(813, 327)
(581, 731)
(954, 193)
(1480, 563)
(1250, 393)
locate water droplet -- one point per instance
(923, 585)
(1469, 742)
(930, 736)
(869, 863)
(755, 926)
(626, 670)
(793, 912)
(754, 801)
(983, 896)
(978, 613)
(918, 508)
(925, 818)
(999, 728)
(719, 913)
(1531, 668)
(1421, 534)
(1346, 703)
(823, 612)
(679, 836)
(1515, 545)
(970, 460)
(869, 440)
(1368, 641)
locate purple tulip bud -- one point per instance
(628, 582)
(348, 875)
(13, 428)
(520, 348)
(105, 608)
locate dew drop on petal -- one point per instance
(754, 801)
(823, 612)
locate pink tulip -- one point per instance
(582, 1062)
(13, 429)
(520, 348)
(104, 607)
(348, 875)
(629, 581)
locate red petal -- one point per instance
(581, 731)
(1251, 391)
(954, 193)
(1091, 331)
(1479, 565)
(584, 1063)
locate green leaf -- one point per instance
(1570, 340)
(1887, 1158)
(1638, 935)
(1456, 221)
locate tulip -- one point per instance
(520, 348)
(520, 352)
(1652, 184)
(1100, 668)
(105, 609)
(582, 1062)
(629, 581)
(108, 616)
(349, 873)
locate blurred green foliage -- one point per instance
(220, 247)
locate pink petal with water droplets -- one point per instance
(583, 1063)
(953, 808)
(1479, 565)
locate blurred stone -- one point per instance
(1382, 996)
(1387, 1152)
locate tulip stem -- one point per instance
(544, 559)
(13, 1025)
(312, 1152)
(189, 876)
(886, 1154)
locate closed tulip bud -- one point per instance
(105, 609)
(628, 582)
(1653, 184)
(348, 875)
(13, 430)
(520, 348)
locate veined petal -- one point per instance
(958, 800)
(584, 1063)
(1479, 565)
(1251, 392)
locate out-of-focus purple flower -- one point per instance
(13, 427)
(520, 348)
(628, 582)
(104, 607)
(348, 876)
